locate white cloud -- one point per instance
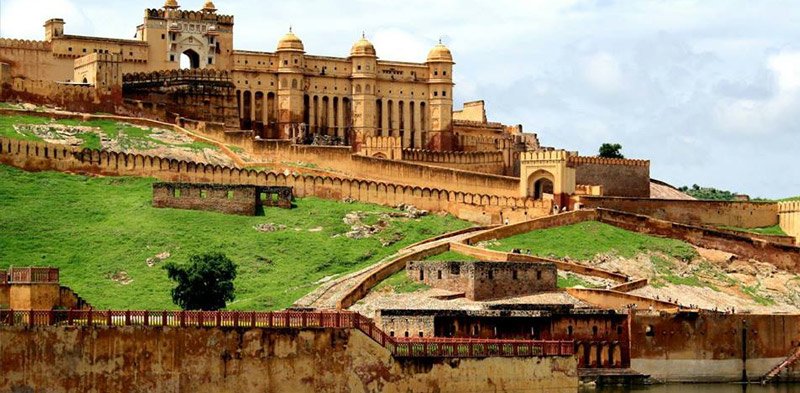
(602, 71)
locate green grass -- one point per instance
(585, 240)
(753, 292)
(400, 283)
(665, 273)
(128, 136)
(797, 198)
(236, 149)
(451, 256)
(774, 230)
(93, 228)
(572, 281)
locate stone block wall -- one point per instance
(711, 213)
(618, 177)
(789, 213)
(230, 199)
(486, 280)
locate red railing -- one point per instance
(32, 275)
(399, 347)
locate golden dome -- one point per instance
(290, 42)
(171, 4)
(440, 53)
(209, 6)
(363, 47)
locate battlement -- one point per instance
(789, 207)
(578, 160)
(32, 275)
(175, 75)
(455, 157)
(383, 142)
(24, 44)
(155, 13)
(546, 155)
(473, 123)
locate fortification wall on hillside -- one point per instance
(711, 213)
(479, 161)
(479, 208)
(619, 177)
(789, 218)
(241, 360)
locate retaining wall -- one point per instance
(712, 213)
(789, 214)
(240, 360)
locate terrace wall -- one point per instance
(789, 213)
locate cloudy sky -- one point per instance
(709, 90)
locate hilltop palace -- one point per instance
(378, 108)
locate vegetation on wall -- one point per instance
(110, 243)
(707, 193)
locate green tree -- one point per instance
(205, 284)
(611, 150)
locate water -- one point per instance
(702, 388)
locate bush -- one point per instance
(205, 284)
(611, 150)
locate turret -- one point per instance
(53, 28)
(171, 5)
(364, 61)
(440, 86)
(291, 58)
(209, 7)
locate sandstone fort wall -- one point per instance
(789, 213)
(491, 162)
(619, 177)
(713, 213)
(238, 360)
(708, 347)
(480, 208)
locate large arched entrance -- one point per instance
(541, 185)
(190, 59)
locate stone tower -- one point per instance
(53, 28)
(203, 36)
(291, 82)
(364, 76)
(440, 85)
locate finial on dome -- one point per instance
(364, 34)
(290, 29)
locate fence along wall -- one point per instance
(479, 208)
(713, 213)
(789, 218)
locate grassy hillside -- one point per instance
(584, 240)
(101, 232)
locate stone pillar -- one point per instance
(417, 122)
(312, 113)
(395, 126)
(331, 117)
(340, 123)
(252, 110)
(385, 117)
(406, 132)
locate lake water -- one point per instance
(716, 388)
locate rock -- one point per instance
(152, 261)
(317, 229)
(269, 227)
(120, 277)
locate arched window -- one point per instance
(294, 83)
(190, 60)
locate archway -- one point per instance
(190, 59)
(541, 185)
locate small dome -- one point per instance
(291, 42)
(440, 53)
(363, 47)
(171, 4)
(209, 6)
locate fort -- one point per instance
(364, 129)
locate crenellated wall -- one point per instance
(491, 162)
(789, 218)
(479, 208)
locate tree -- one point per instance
(205, 284)
(611, 150)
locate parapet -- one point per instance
(546, 155)
(578, 160)
(154, 13)
(789, 207)
(23, 44)
(31, 275)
